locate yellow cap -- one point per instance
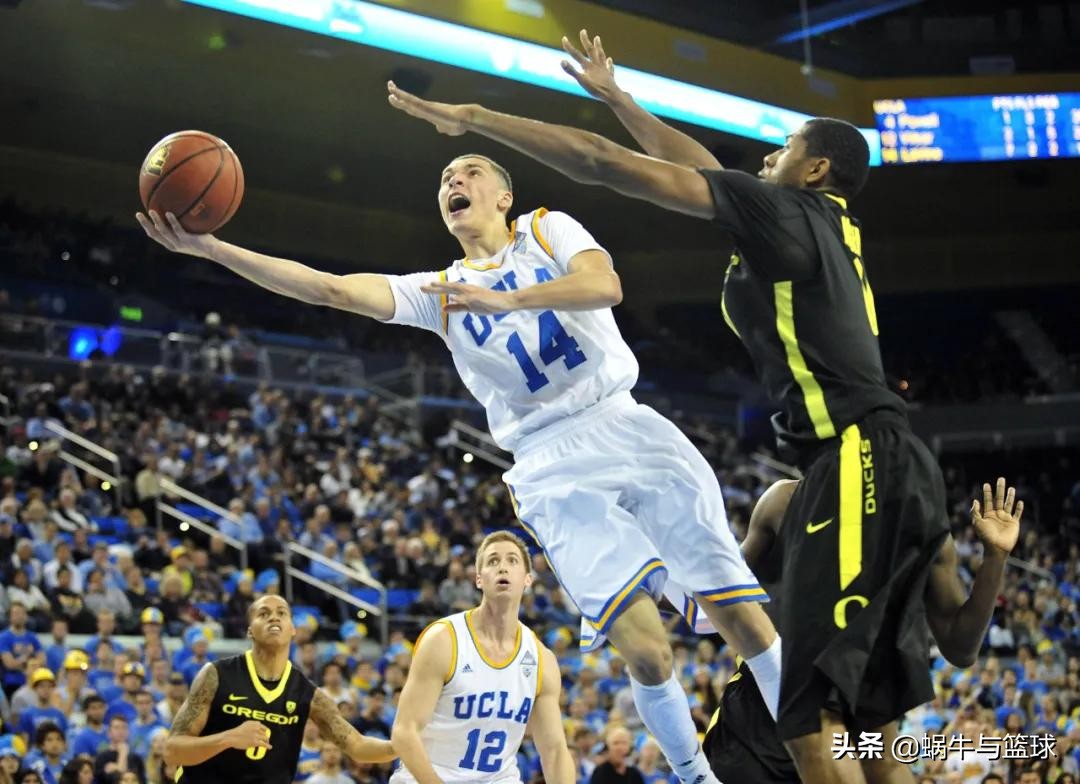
(42, 674)
(76, 660)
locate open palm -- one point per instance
(597, 74)
(997, 518)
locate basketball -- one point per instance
(194, 175)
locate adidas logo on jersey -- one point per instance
(528, 660)
(519, 241)
(466, 668)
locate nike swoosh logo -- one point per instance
(813, 528)
(235, 697)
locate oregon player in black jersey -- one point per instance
(243, 721)
(742, 742)
(870, 516)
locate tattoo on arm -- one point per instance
(191, 717)
(332, 725)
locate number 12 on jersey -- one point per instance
(554, 344)
(489, 761)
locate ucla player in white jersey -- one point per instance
(478, 680)
(623, 505)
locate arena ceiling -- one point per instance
(888, 38)
(98, 81)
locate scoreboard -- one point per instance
(978, 128)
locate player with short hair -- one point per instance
(479, 680)
(623, 505)
(243, 721)
(870, 515)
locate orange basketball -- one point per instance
(195, 176)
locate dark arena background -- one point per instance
(176, 441)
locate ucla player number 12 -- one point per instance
(554, 344)
(489, 755)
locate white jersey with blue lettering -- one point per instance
(479, 720)
(528, 368)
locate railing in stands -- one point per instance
(292, 551)
(35, 336)
(466, 438)
(115, 478)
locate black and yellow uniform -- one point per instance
(241, 696)
(868, 518)
(741, 742)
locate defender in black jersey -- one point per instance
(742, 741)
(243, 721)
(870, 517)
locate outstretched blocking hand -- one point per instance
(447, 118)
(997, 519)
(168, 232)
(597, 74)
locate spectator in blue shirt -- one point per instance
(75, 405)
(37, 426)
(17, 644)
(72, 690)
(146, 723)
(106, 628)
(43, 683)
(247, 530)
(56, 650)
(99, 561)
(102, 677)
(310, 753)
(93, 738)
(616, 680)
(50, 753)
(132, 680)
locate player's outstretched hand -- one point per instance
(167, 231)
(597, 74)
(997, 519)
(466, 298)
(249, 735)
(447, 118)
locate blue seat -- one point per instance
(400, 598)
(104, 524)
(229, 583)
(196, 511)
(215, 610)
(369, 595)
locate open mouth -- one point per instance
(274, 628)
(457, 204)
(502, 582)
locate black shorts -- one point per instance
(742, 744)
(858, 539)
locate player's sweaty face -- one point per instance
(272, 621)
(502, 569)
(468, 193)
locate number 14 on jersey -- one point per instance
(555, 344)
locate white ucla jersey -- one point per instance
(479, 721)
(528, 368)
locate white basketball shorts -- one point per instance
(620, 500)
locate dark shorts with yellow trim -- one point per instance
(742, 744)
(858, 540)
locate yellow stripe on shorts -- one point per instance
(851, 510)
